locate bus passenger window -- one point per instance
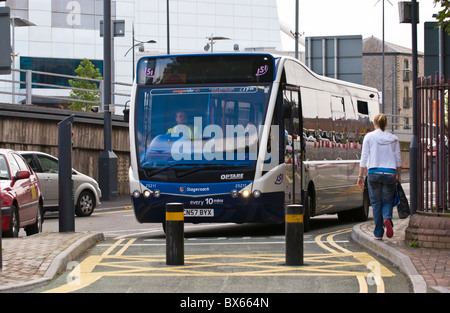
(363, 107)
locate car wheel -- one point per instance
(13, 230)
(85, 204)
(37, 226)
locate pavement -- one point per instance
(31, 262)
(428, 269)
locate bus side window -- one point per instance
(363, 107)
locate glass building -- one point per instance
(67, 31)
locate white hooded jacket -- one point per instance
(380, 149)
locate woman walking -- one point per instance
(381, 159)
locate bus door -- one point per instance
(293, 143)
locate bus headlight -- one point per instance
(245, 193)
(147, 193)
(256, 193)
(156, 193)
(136, 194)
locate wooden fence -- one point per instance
(35, 128)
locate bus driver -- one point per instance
(181, 119)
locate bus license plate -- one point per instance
(198, 212)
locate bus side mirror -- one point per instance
(126, 113)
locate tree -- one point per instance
(85, 69)
(443, 16)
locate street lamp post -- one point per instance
(168, 29)
(212, 41)
(409, 14)
(107, 167)
(414, 144)
(134, 44)
(383, 56)
(16, 22)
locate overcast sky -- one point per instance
(354, 17)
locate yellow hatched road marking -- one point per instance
(339, 262)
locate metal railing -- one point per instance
(433, 157)
(399, 123)
(28, 95)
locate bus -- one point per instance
(237, 137)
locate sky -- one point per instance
(354, 17)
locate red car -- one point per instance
(20, 194)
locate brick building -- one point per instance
(398, 74)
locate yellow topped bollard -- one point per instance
(294, 234)
(174, 234)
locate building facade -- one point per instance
(398, 79)
(66, 31)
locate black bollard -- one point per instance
(294, 234)
(66, 205)
(174, 234)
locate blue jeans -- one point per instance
(381, 193)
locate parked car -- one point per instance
(86, 193)
(20, 194)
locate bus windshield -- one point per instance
(199, 125)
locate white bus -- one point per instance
(237, 137)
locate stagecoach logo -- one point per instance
(193, 190)
(231, 176)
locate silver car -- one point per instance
(86, 192)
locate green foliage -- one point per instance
(444, 15)
(85, 69)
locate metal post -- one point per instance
(29, 93)
(107, 168)
(168, 29)
(132, 46)
(102, 95)
(382, 71)
(296, 29)
(66, 205)
(13, 64)
(174, 234)
(294, 234)
(107, 52)
(414, 145)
